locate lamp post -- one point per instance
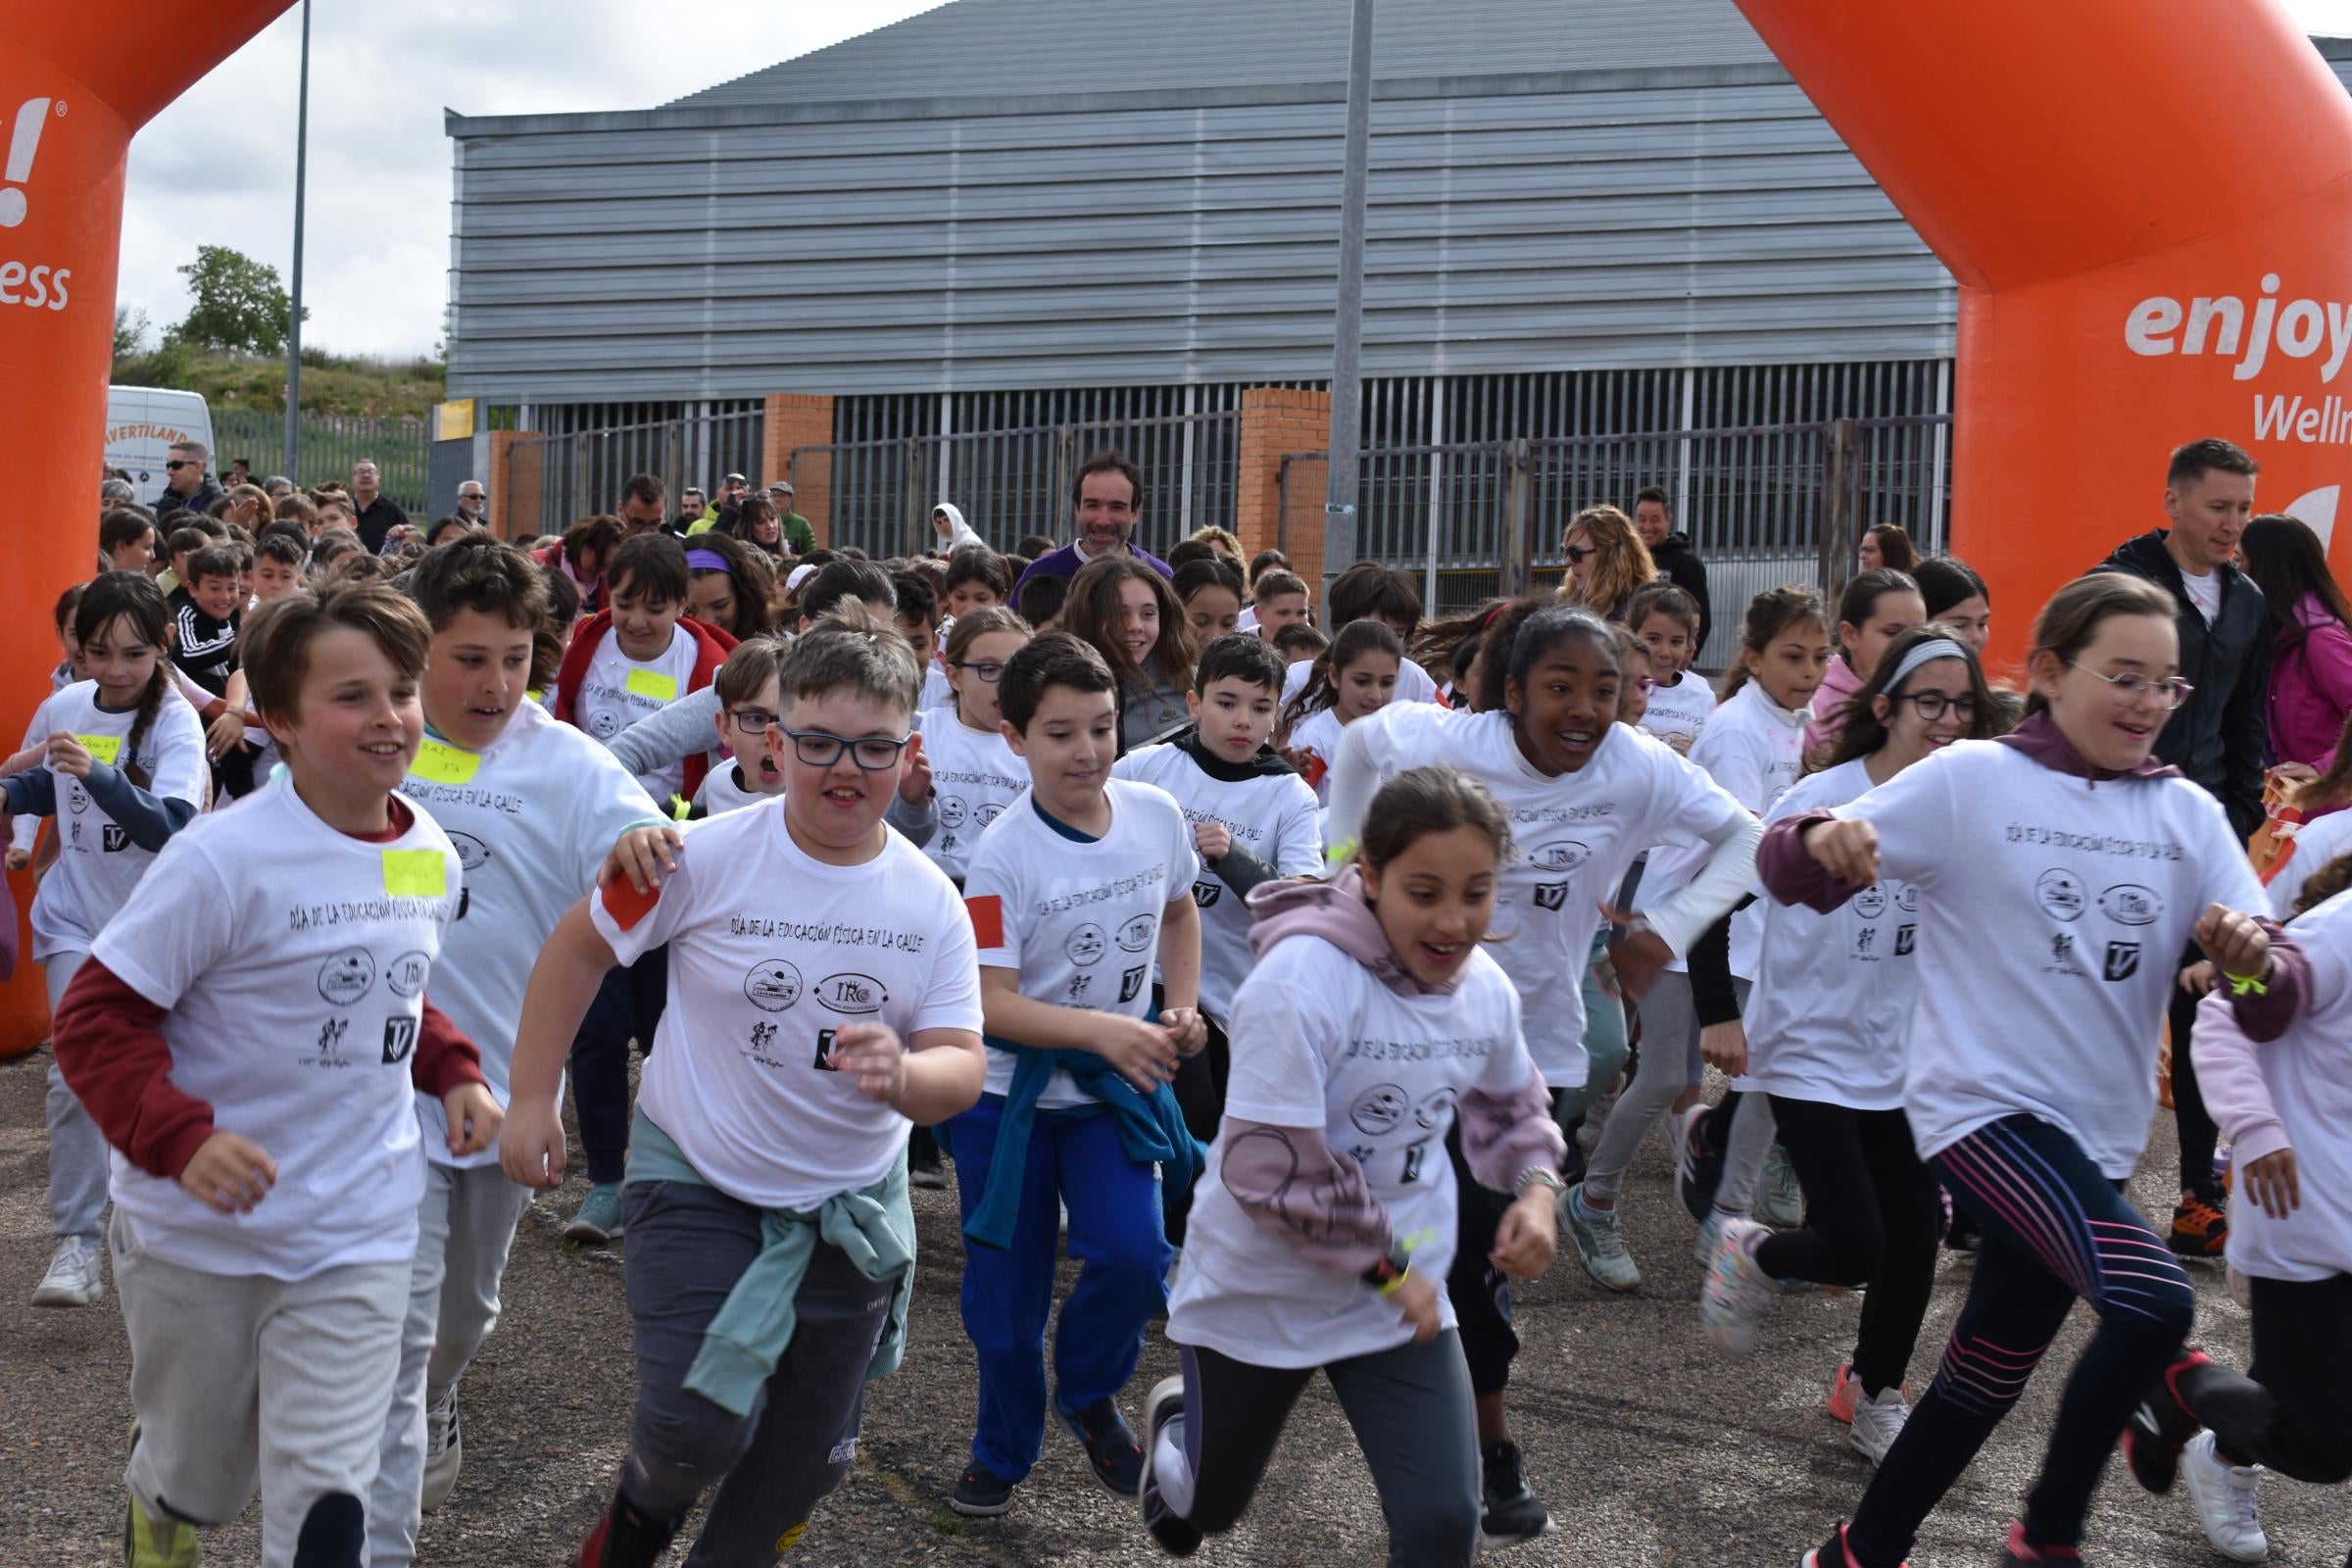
(291, 462)
(1347, 326)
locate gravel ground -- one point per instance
(1649, 1447)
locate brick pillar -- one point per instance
(1278, 423)
(516, 484)
(801, 419)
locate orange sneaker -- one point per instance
(2199, 1230)
(1845, 1391)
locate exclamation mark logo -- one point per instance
(25, 139)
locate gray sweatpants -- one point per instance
(463, 1228)
(1669, 1027)
(688, 1245)
(78, 1159)
(242, 1380)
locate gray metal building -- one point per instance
(1586, 218)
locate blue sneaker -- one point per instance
(1111, 1451)
(980, 1492)
(598, 1219)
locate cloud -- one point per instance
(216, 167)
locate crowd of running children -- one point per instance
(1291, 978)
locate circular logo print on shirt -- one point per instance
(407, 974)
(472, 853)
(1379, 1109)
(1135, 935)
(345, 978)
(1435, 1110)
(603, 724)
(1870, 902)
(2129, 903)
(772, 985)
(989, 814)
(1906, 898)
(950, 811)
(2059, 893)
(851, 994)
(1086, 945)
(1562, 854)
(77, 797)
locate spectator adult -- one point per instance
(1671, 553)
(731, 491)
(694, 513)
(759, 525)
(277, 487)
(1107, 501)
(240, 471)
(2214, 737)
(1886, 547)
(473, 503)
(188, 486)
(2311, 640)
(374, 513)
(644, 503)
(1607, 561)
(953, 532)
(117, 493)
(799, 534)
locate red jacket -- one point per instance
(712, 646)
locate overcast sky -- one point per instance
(218, 167)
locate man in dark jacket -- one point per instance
(187, 487)
(2214, 737)
(1653, 520)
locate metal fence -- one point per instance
(326, 445)
(552, 481)
(880, 494)
(1764, 503)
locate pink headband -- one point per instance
(706, 560)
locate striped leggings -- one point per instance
(2055, 1230)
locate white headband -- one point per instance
(1925, 653)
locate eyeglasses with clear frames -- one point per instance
(2131, 685)
(817, 748)
(988, 669)
(1932, 705)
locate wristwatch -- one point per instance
(1388, 1273)
(1538, 1176)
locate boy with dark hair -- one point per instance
(1280, 600)
(205, 613)
(1071, 892)
(917, 616)
(181, 543)
(977, 577)
(277, 565)
(534, 806)
(1299, 643)
(1254, 819)
(772, 1245)
(256, 1073)
(1370, 591)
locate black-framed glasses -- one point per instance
(2131, 685)
(178, 464)
(988, 669)
(1577, 552)
(752, 721)
(1932, 705)
(814, 748)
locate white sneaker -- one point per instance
(1710, 1236)
(1877, 1422)
(76, 1277)
(2224, 1498)
(1736, 1295)
(1780, 1196)
(444, 1447)
(1599, 1243)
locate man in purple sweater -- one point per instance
(1108, 500)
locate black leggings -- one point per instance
(628, 1007)
(2199, 1137)
(2056, 1229)
(1480, 1292)
(2293, 1409)
(1410, 1411)
(1200, 1090)
(1872, 1215)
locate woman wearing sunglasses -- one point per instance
(1607, 561)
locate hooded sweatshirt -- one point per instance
(960, 532)
(2310, 686)
(1681, 565)
(1836, 688)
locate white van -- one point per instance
(142, 423)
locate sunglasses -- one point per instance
(1577, 552)
(178, 464)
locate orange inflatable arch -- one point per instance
(2145, 205)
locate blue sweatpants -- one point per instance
(1075, 1160)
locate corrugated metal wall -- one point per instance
(1516, 224)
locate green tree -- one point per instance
(239, 304)
(130, 331)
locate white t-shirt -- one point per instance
(1753, 748)
(1413, 684)
(531, 818)
(1319, 732)
(97, 864)
(2316, 842)
(770, 953)
(2053, 911)
(723, 791)
(1575, 836)
(1078, 921)
(1271, 814)
(292, 962)
(1317, 1042)
(2205, 593)
(1826, 1019)
(1678, 713)
(976, 775)
(2310, 1082)
(617, 691)
(937, 693)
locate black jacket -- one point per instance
(1682, 568)
(2215, 738)
(170, 503)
